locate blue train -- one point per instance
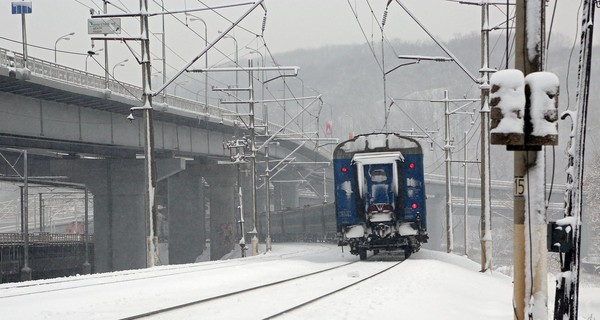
(380, 194)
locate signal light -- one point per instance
(411, 165)
(414, 206)
(344, 169)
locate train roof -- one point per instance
(377, 142)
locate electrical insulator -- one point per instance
(384, 18)
(264, 23)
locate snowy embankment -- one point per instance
(430, 285)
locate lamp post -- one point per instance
(164, 52)
(65, 37)
(302, 105)
(120, 64)
(267, 170)
(416, 59)
(91, 53)
(448, 160)
(194, 18)
(156, 73)
(265, 116)
(177, 85)
(237, 64)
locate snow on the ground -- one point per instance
(429, 285)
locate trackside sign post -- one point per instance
(21, 7)
(104, 26)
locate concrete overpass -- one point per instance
(76, 129)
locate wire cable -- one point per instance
(365, 35)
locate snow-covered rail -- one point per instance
(273, 299)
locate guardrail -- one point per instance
(43, 237)
(57, 72)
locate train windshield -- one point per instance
(378, 175)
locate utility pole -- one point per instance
(567, 287)
(485, 233)
(448, 160)
(106, 74)
(524, 114)
(530, 269)
(466, 195)
(24, 34)
(149, 162)
(268, 196)
(252, 128)
(26, 270)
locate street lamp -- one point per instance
(155, 74)
(236, 64)
(65, 37)
(416, 59)
(265, 115)
(176, 85)
(120, 64)
(194, 18)
(267, 170)
(89, 54)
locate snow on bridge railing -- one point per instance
(44, 237)
(178, 105)
(57, 72)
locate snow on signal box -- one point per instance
(524, 109)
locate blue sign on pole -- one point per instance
(21, 7)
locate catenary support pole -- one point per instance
(26, 270)
(251, 127)
(448, 157)
(466, 195)
(485, 233)
(530, 270)
(149, 162)
(567, 290)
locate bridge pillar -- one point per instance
(286, 195)
(186, 216)
(119, 210)
(436, 221)
(221, 180)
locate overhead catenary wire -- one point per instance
(371, 48)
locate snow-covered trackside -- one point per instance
(430, 285)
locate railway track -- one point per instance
(275, 298)
(60, 284)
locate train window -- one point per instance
(378, 175)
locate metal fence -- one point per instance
(43, 237)
(57, 72)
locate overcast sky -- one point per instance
(291, 25)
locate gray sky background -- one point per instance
(291, 25)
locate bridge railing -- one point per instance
(57, 72)
(43, 237)
(73, 76)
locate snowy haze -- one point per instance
(429, 285)
(291, 25)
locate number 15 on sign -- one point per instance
(519, 186)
